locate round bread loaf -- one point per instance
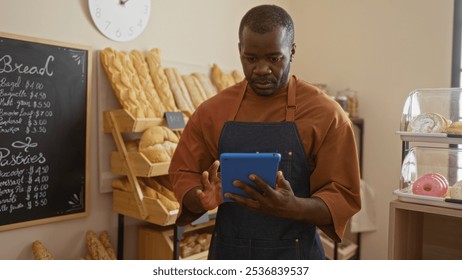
(156, 153)
(158, 143)
(428, 123)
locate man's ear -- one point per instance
(292, 52)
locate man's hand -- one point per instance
(210, 196)
(274, 202)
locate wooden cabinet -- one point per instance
(426, 232)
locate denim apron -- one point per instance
(243, 234)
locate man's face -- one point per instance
(265, 60)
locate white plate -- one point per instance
(417, 134)
(429, 137)
(424, 199)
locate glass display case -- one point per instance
(443, 101)
(432, 175)
(425, 221)
(431, 152)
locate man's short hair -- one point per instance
(266, 18)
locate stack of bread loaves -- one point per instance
(147, 90)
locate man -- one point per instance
(318, 181)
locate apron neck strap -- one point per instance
(291, 107)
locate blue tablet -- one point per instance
(238, 166)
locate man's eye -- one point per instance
(275, 59)
(251, 59)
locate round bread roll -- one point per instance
(156, 153)
(151, 136)
(169, 147)
(169, 135)
(428, 123)
(158, 143)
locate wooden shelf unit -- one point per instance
(424, 232)
(133, 203)
(158, 243)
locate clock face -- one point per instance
(120, 20)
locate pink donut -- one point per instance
(431, 184)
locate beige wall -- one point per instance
(383, 49)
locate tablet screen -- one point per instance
(238, 166)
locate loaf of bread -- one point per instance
(221, 79)
(196, 92)
(125, 83)
(141, 98)
(40, 252)
(120, 82)
(158, 187)
(158, 143)
(454, 128)
(237, 76)
(181, 96)
(428, 123)
(104, 238)
(160, 80)
(209, 89)
(152, 193)
(146, 83)
(96, 249)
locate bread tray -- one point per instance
(141, 165)
(124, 203)
(429, 137)
(424, 199)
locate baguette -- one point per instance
(139, 62)
(95, 247)
(150, 192)
(220, 78)
(121, 84)
(184, 89)
(178, 94)
(40, 252)
(237, 76)
(104, 238)
(160, 80)
(197, 95)
(206, 84)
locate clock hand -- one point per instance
(122, 2)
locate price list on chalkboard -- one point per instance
(43, 121)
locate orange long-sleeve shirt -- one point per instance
(326, 132)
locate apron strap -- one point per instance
(291, 107)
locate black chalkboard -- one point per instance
(43, 131)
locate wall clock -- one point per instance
(120, 20)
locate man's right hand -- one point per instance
(210, 196)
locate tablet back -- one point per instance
(238, 166)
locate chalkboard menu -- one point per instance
(43, 131)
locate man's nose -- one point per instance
(262, 68)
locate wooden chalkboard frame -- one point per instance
(86, 75)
